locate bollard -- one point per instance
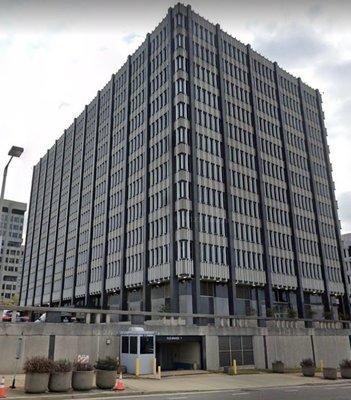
(321, 366)
(235, 369)
(137, 366)
(159, 372)
(154, 367)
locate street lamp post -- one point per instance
(14, 152)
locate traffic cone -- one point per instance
(119, 383)
(2, 389)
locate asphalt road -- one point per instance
(322, 392)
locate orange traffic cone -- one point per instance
(2, 389)
(119, 383)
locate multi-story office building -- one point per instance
(197, 180)
(346, 238)
(11, 249)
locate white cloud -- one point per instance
(54, 56)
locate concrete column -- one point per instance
(13, 316)
(212, 353)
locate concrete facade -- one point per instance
(99, 340)
(346, 239)
(197, 180)
(11, 249)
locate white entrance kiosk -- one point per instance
(138, 351)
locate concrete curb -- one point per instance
(104, 394)
(74, 395)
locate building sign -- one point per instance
(177, 339)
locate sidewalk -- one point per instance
(176, 384)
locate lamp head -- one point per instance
(15, 151)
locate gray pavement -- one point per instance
(316, 392)
(261, 386)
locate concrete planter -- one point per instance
(60, 381)
(105, 379)
(345, 372)
(330, 373)
(278, 367)
(36, 383)
(308, 371)
(83, 380)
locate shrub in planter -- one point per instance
(37, 370)
(83, 375)
(269, 313)
(61, 376)
(328, 315)
(106, 372)
(278, 367)
(308, 367)
(345, 369)
(292, 314)
(330, 373)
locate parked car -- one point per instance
(54, 316)
(7, 316)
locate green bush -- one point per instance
(62, 366)
(292, 314)
(107, 364)
(328, 314)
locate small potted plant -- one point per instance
(83, 374)
(269, 313)
(278, 367)
(330, 373)
(61, 376)
(37, 370)
(345, 320)
(106, 372)
(328, 315)
(308, 367)
(292, 314)
(345, 369)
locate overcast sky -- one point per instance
(55, 56)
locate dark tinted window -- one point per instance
(238, 348)
(133, 345)
(146, 345)
(125, 344)
(223, 343)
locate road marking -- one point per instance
(176, 398)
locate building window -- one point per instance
(239, 348)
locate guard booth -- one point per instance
(138, 351)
